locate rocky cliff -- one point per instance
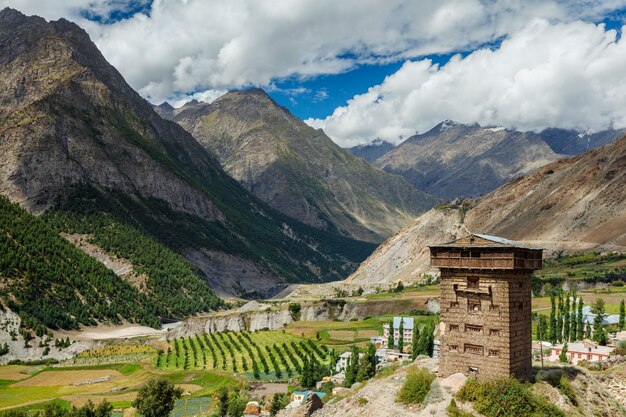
(299, 170)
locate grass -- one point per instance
(342, 335)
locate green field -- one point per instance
(589, 266)
(274, 353)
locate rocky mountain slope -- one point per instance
(372, 151)
(455, 160)
(77, 142)
(572, 204)
(299, 170)
(571, 142)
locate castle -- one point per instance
(485, 306)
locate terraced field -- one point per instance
(259, 355)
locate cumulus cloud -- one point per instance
(174, 47)
(568, 75)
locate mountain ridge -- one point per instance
(573, 204)
(454, 160)
(299, 170)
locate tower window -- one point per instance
(473, 349)
(473, 282)
(494, 352)
(473, 306)
(473, 328)
(454, 327)
(494, 332)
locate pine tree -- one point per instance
(222, 407)
(552, 320)
(579, 319)
(390, 341)
(622, 315)
(588, 332)
(415, 342)
(401, 335)
(276, 404)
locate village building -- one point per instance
(298, 397)
(485, 316)
(578, 351)
(344, 360)
(407, 331)
(607, 319)
(384, 356)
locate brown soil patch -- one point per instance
(54, 378)
(13, 372)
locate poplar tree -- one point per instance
(367, 364)
(559, 318)
(353, 367)
(580, 335)
(599, 333)
(622, 314)
(415, 342)
(552, 320)
(573, 321)
(566, 322)
(401, 335)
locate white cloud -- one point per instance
(568, 75)
(196, 45)
(207, 96)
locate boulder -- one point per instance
(312, 403)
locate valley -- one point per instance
(235, 255)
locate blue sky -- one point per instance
(367, 69)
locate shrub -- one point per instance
(294, 309)
(416, 386)
(363, 401)
(453, 410)
(618, 283)
(506, 397)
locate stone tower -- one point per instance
(485, 306)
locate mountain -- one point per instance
(80, 146)
(455, 160)
(572, 204)
(372, 151)
(299, 170)
(571, 142)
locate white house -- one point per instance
(578, 351)
(342, 362)
(407, 334)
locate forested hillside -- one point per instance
(49, 281)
